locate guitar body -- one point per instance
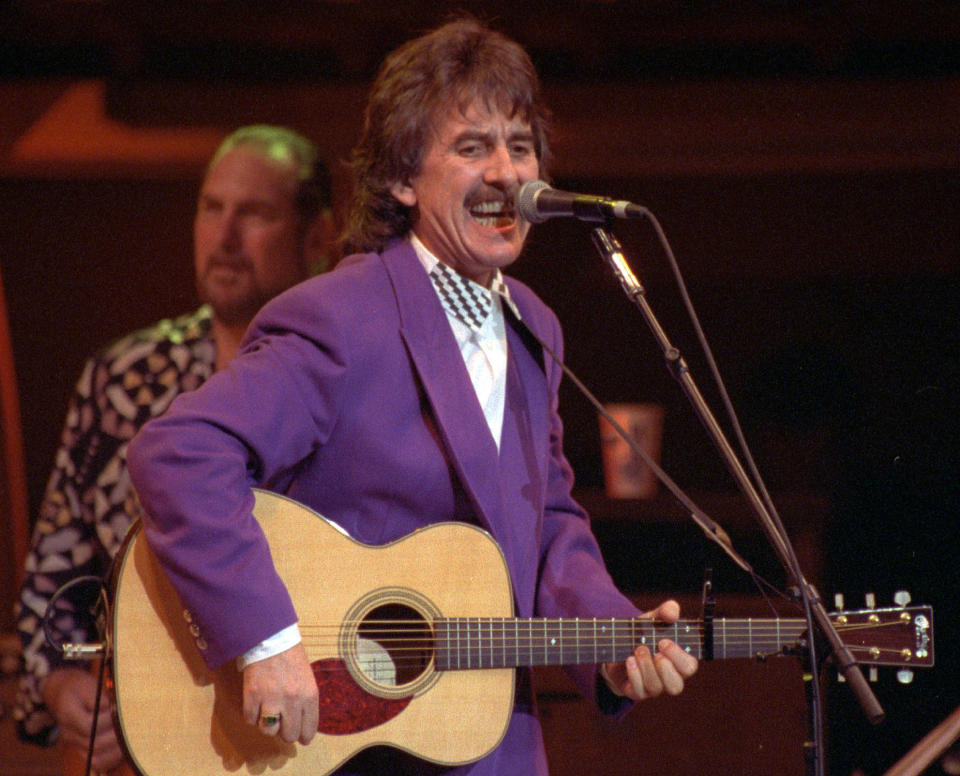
(177, 716)
(413, 645)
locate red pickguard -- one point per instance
(345, 707)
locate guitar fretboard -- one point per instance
(464, 643)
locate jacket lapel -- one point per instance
(439, 365)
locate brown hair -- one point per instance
(453, 66)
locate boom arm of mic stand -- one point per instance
(611, 251)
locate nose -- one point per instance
(228, 237)
(501, 168)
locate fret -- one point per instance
(472, 644)
(526, 654)
(516, 642)
(494, 655)
(484, 653)
(523, 657)
(643, 635)
(595, 660)
(479, 646)
(576, 637)
(749, 635)
(550, 641)
(488, 661)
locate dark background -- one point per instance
(802, 159)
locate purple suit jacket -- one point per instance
(351, 396)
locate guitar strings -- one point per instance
(588, 628)
(410, 643)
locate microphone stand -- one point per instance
(611, 251)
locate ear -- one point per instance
(319, 241)
(404, 194)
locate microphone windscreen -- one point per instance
(527, 201)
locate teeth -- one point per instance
(491, 221)
(496, 206)
(492, 213)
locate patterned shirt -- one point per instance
(89, 504)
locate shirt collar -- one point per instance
(498, 286)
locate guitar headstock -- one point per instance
(900, 636)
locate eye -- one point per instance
(209, 206)
(259, 211)
(471, 149)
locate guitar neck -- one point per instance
(469, 643)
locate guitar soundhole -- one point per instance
(394, 645)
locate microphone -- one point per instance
(538, 201)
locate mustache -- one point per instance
(493, 194)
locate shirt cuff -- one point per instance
(274, 645)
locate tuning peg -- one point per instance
(901, 598)
(838, 601)
(871, 600)
(904, 676)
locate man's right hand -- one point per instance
(282, 687)
(70, 695)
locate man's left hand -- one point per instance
(644, 675)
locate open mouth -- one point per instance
(493, 213)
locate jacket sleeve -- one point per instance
(193, 469)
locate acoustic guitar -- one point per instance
(413, 645)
